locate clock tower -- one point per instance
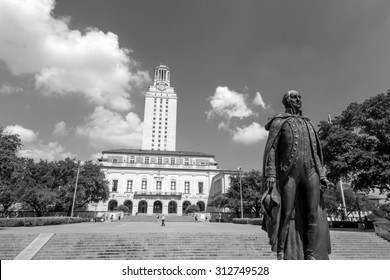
(159, 131)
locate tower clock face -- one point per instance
(161, 87)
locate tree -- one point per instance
(123, 208)
(10, 167)
(192, 208)
(252, 190)
(38, 186)
(356, 145)
(353, 202)
(92, 185)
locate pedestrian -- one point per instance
(157, 219)
(196, 218)
(112, 217)
(163, 220)
(219, 217)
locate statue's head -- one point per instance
(292, 100)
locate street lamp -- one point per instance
(75, 187)
(242, 208)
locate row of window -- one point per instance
(144, 184)
(159, 161)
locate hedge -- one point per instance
(254, 221)
(39, 221)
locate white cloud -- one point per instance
(35, 148)
(26, 135)
(60, 129)
(250, 134)
(228, 103)
(107, 129)
(67, 61)
(8, 89)
(258, 100)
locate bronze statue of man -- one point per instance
(293, 172)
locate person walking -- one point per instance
(157, 219)
(163, 220)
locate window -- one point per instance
(186, 187)
(129, 187)
(173, 161)
(173, 186)
(144, 185)
(114, 185)
(158, 186)
(186, 161)
(200, 187)
(146, 160)
(159, 160)
(114, 160)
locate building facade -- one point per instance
(157, 178)
(150, 182)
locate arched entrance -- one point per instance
(157, 207)
(112, 205)
(129, 204)
(201, 206)
(172, 207)
(142, 207)
(185, 205)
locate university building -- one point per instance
(157, 178)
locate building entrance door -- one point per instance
(157, 207)
(143, 207)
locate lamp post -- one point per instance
(75, 187)
(242, 208)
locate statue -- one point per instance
(293, 173)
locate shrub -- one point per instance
(241, 221)
(39, 221)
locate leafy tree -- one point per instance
(38, 186)
(192, 208)
(252, 190)
(356, 145)
(353, 202)
(123, 208)
(10, 167)
(220, 201)
(92, 186)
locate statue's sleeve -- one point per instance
(271, 160)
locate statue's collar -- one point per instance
(290, 111)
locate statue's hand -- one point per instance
(271, 182)
(325, 183)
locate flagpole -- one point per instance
(342, 197)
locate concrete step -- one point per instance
(12, 244)
(196, 246)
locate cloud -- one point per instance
(67, 61)
(25, 135)
(35, 148)
(8, 89)
(250, 134)
(106, 129)
(258, 100)
(60, 129)
(229, 104)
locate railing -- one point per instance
(157, 195)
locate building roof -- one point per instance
(157, 152)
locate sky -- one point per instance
(73, 74)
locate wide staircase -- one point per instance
(184, 245)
